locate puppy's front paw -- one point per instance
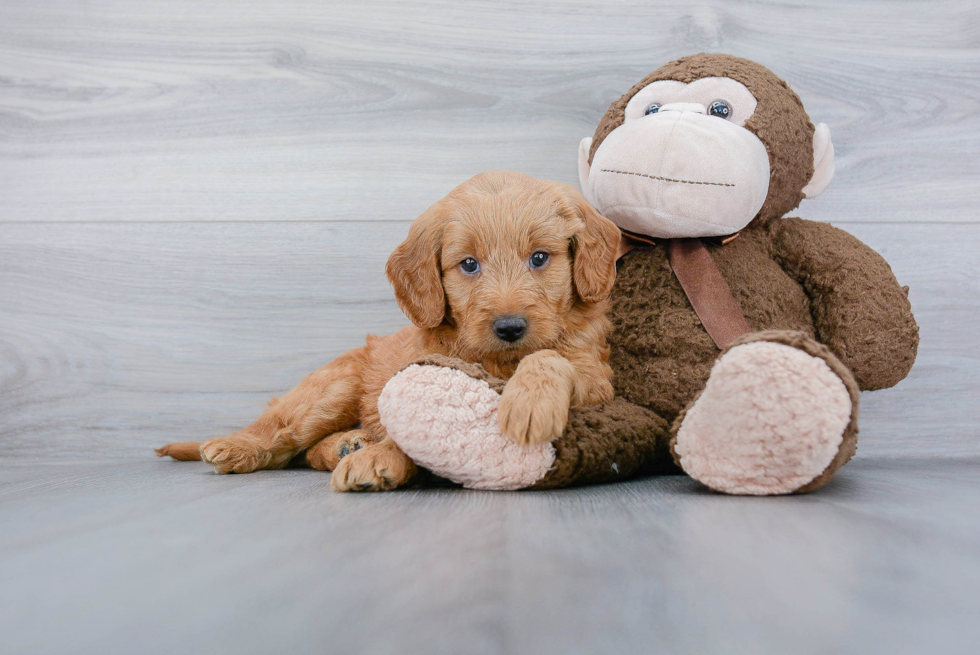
(534, 410)
(230, 455)
(376, 467)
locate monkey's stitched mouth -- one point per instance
(666, 179)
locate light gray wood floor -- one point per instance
(161, 557)
(196, 202)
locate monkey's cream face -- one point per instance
(682, 164)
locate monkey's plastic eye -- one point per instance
(721, 109)
(539, 259)
(469, 266)
(652, 109)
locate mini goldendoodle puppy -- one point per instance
(507, 271)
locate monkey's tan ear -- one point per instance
(584, 168)
(823, 162)
(594, 250)
(414, 268)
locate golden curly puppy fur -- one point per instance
(506, 271)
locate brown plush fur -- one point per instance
(499, 219)
(779, 121)
(611, 449)
(819, 288)
(804, 278)
(792, 275)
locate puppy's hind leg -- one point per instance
(327, 401)
(381, 466)
(325, 455)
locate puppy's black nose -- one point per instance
(510, 328)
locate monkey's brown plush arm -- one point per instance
(441, 411)
(607, 442)
(859, 310)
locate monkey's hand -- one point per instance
(443, 413)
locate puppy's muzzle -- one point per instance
(510, 328)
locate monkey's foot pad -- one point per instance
(446, 421)
(770, 420)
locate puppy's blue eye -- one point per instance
(721, 109)
(539, 259)
(653, 109)
(469, 266)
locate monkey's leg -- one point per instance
(778, 415)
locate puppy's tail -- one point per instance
(185, 451)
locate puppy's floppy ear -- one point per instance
(414, 268)
(594, 249)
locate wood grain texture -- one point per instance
(180, 110)
(119, 337)
(196, 203)
(165, 557)
(197, 200)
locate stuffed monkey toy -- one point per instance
(741, 339)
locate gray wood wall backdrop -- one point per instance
(197, 198)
